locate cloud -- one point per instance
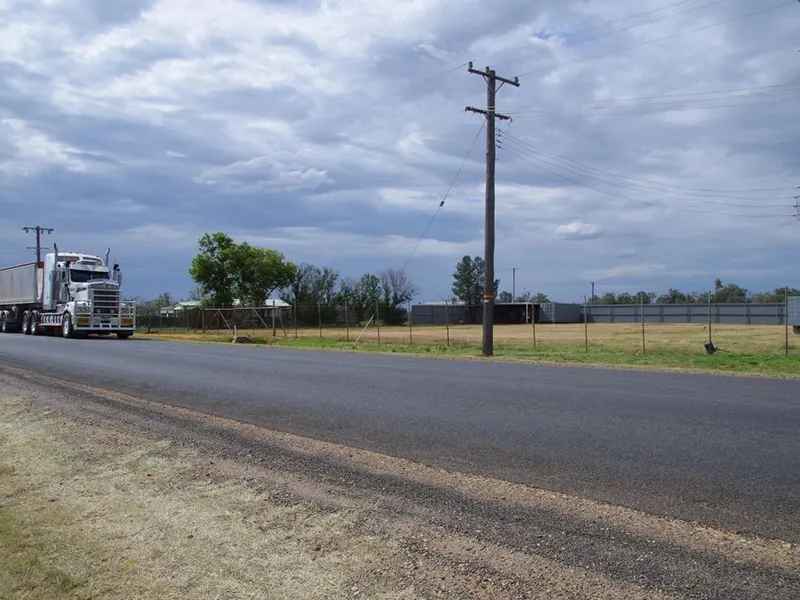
(577, 230)
(332, 131)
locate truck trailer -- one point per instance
(71, 293)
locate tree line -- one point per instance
(730, 293)
(228, 274)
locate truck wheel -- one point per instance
(3, 323)
(67, 330)
(35, 323)
(123, 336)
(26, 323)
(797, 329)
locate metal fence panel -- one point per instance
(732, 314)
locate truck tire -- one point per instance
(123, 335)
(3, 322)
(26, 323)
(35, 330)
(67, 331)
(797, 329)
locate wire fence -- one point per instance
(395, 325)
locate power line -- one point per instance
(663, 100)
(536, 164)
(681, 95)
(649, 22)
(667, 37)
(447, 193)
(582, 31)
(648, 188)
(645, 109)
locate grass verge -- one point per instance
(85, 514)
(660, 356)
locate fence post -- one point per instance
(346, 321)
(786, 318)
(294, 309)
(709, 319)
(585, 325)
(533, 324)
(378, 319)
(410, 326)
(644, 350)
(319, 318)
(447, 321)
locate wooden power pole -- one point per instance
(491, 115)
(39, 231)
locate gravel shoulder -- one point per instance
(107, 495)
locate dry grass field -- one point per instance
(677, 338)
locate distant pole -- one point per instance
(513, 284)
(319, 318)
(274, 330)
(39, 230)
(593, 292)
(491, 115)
(296, 333)
(533, 326)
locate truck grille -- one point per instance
(105, 301)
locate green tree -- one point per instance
(313, 294)
(362, 295)
(258, 272)
(540, 298)
(468, 284)
(777, 295)
(674, 296)
(225, 271)
(625, 298)
(644, 297)
(505, 297)
(211, 268)
(609, 298)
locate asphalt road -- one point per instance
(720, 450)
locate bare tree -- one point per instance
(397, 286)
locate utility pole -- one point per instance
(491, 115)
(797, 204)
(592, 302)
(39, 230)
(514, 284)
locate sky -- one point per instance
(652, 143)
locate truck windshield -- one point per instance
(81, 276)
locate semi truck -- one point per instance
(73, 294)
